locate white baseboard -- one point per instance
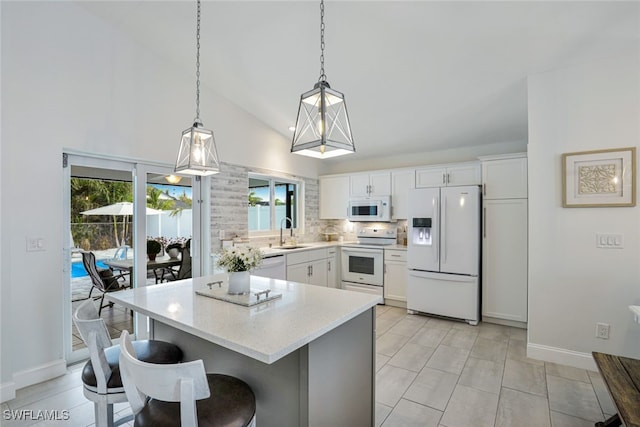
(395, 303)
(505, 322)
(39, 373)
(7, 391)
(561, 356)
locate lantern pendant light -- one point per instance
(197, 154)
(322, 127)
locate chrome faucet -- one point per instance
(286, 218)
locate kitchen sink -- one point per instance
(290, 246)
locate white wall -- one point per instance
(71, 80)
(352, 163)
(572, 284)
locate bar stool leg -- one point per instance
(103, 414)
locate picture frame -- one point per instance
(599, 178)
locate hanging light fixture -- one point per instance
(197, 154)
(322, 127)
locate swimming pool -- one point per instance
(77, 269)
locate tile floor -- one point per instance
(441, 373)
(430, 372)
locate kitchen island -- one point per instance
(309, 356)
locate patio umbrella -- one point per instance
(123, 209)
(118, 209)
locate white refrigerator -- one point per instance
(443, 253)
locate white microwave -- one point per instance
(370, 209)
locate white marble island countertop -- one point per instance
(265, 332)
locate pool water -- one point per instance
(77, 269)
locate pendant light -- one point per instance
(322, 127)
(197, 154)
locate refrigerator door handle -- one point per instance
(484, 222)
(443, 230)
(436, 253)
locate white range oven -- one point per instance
(363, 262)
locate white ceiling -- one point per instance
(417, 76)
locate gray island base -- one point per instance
(308, 356)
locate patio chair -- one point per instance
(184, 270)
(160, 395)
(101, 379)
(103, 280)
(119, 255)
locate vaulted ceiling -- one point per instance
(417, 75)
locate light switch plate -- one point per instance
(35, 244)
(609, 241)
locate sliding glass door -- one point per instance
(113, 208)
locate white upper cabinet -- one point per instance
(401, 182)
(334, 197)
(504, 177)
(449, 175)
(370, 184)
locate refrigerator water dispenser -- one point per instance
(421, 231)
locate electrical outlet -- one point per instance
(602, 331)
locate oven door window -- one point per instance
(361, 265)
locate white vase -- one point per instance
(239, 282)
(173, 253)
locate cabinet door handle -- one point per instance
(448, 178)
(328, 265)
(311, 270)
(385, 269)
(484, 223)
(444, 178)
(394, 255)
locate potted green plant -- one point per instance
(239, 262)
(153, 248)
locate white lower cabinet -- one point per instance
(395, 277)
(504, 259)
(308, 267)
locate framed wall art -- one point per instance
(601, 178)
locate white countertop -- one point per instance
(319, 245)
(266, 332)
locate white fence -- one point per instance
(168, 226)
(260, 217)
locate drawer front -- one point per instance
(299, 257)
(395, 255)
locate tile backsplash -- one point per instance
(229, 211)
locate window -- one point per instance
(271, 200)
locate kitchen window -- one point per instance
(271, 199)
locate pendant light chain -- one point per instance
(197, 154)
(197, 119)
(323, 77)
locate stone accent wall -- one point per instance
(229, 205)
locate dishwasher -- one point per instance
(273, 267)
